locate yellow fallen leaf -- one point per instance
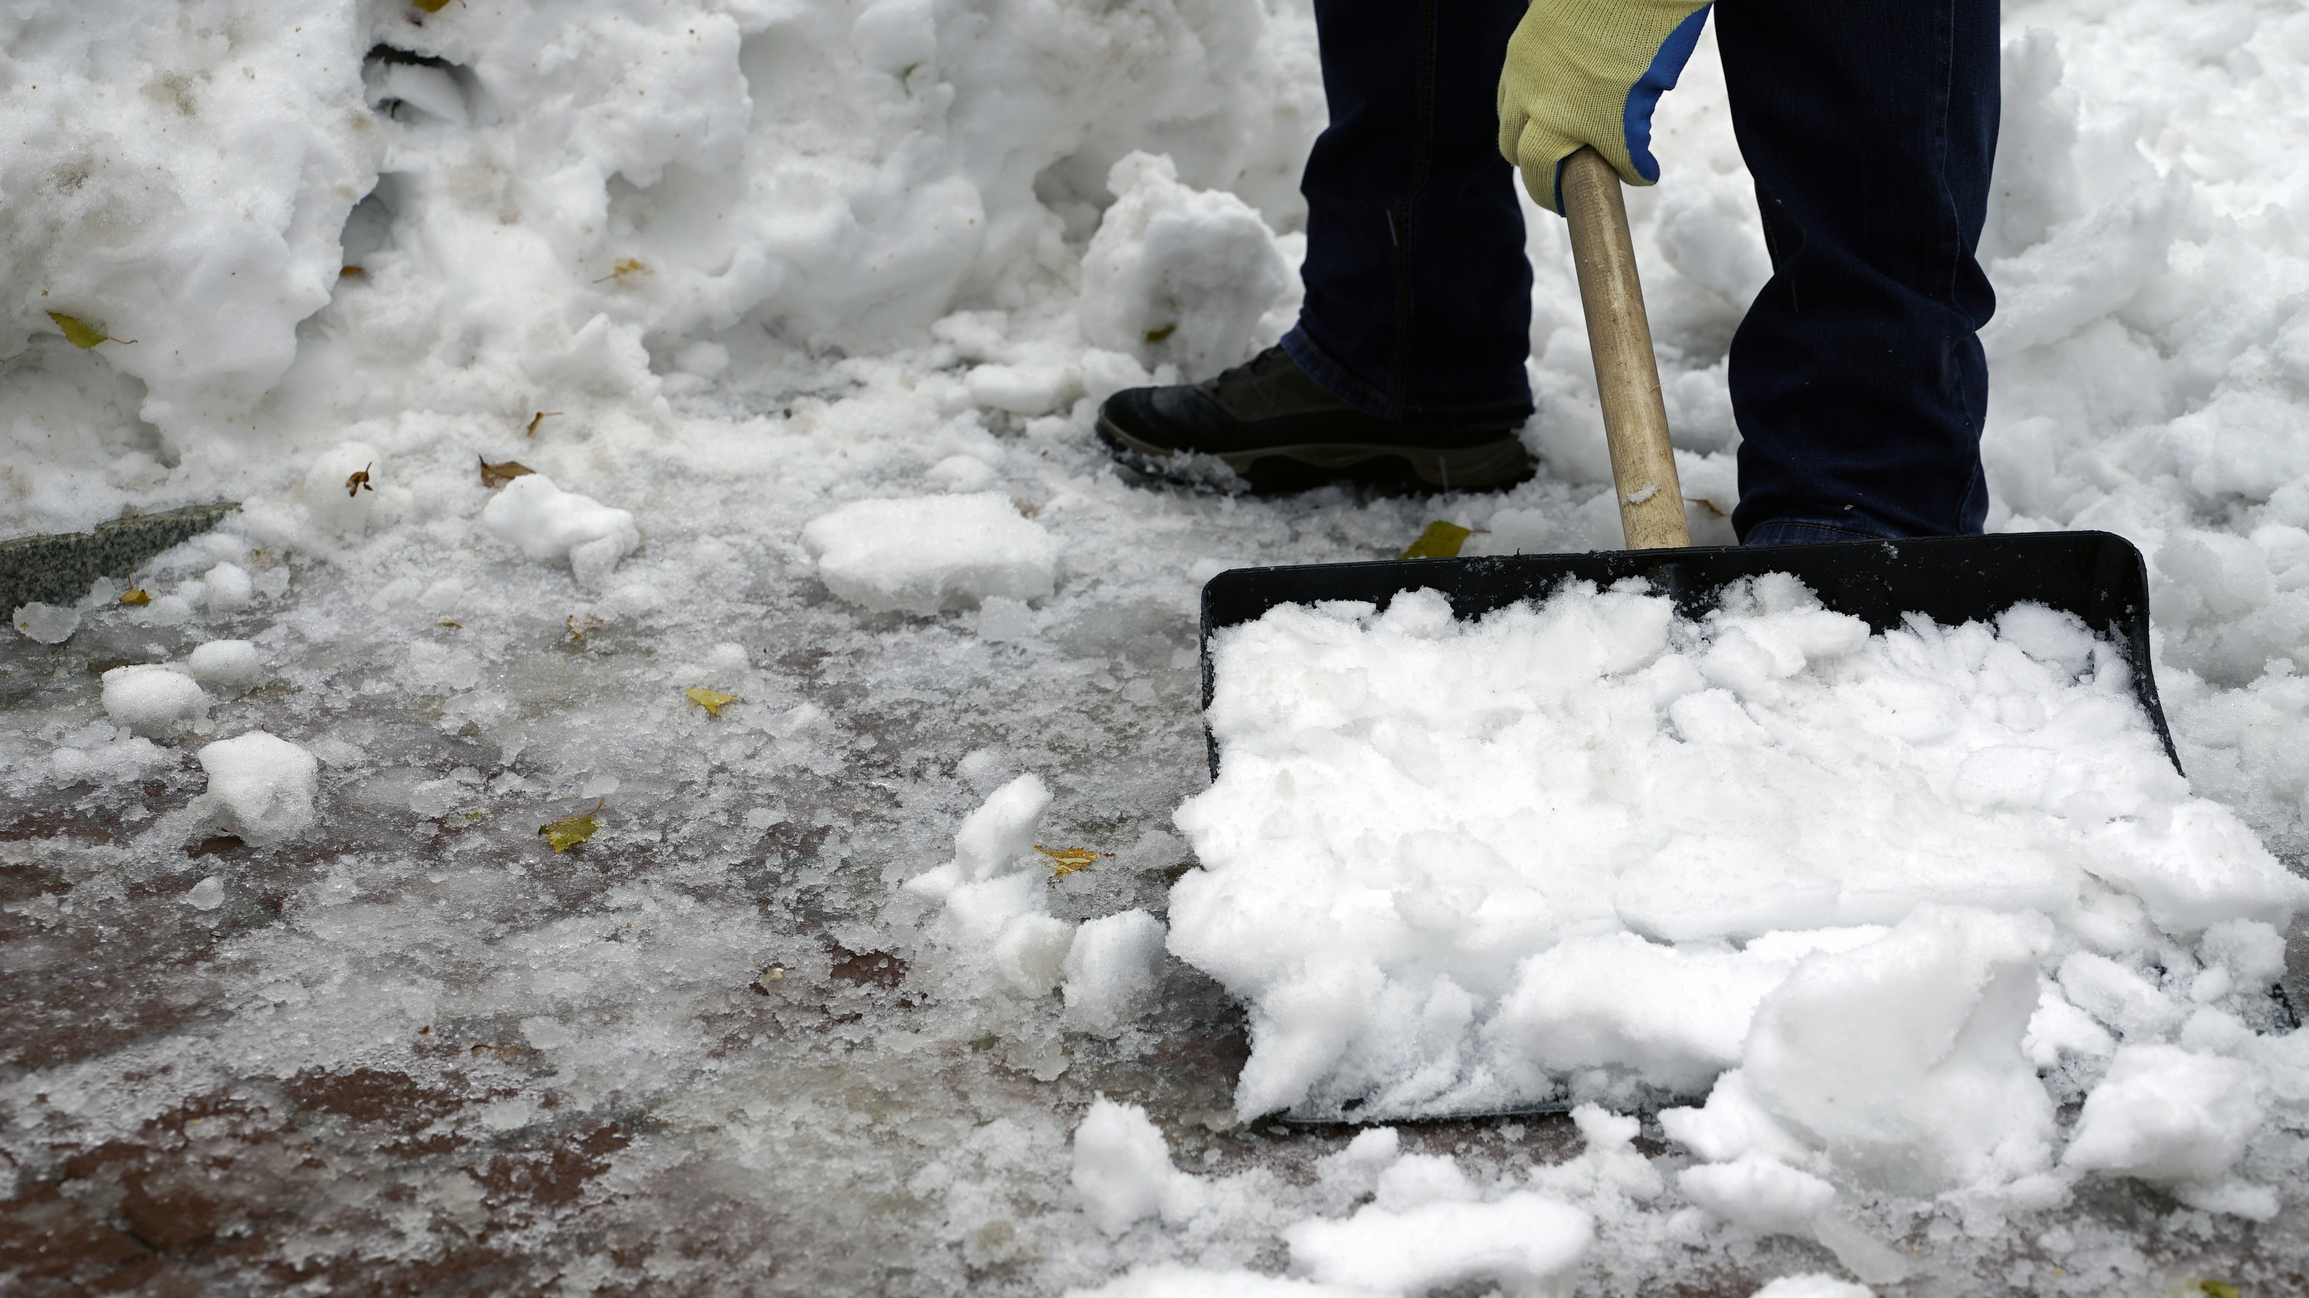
(138, 596)
(494, 476)
(539, 418)
(431, 6)
(569, 831)
(359, 481)
(713, 701)
(82, 334)
(1068, 860)
(1157, 335)
(1441, 540)
(2217, 1289)
(621, 270)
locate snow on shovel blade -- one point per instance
(2098, 576)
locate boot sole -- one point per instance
(1490, 464)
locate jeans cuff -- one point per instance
(1801, 532)
(1334, 378)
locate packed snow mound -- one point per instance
(932, 553)
(1584, 846)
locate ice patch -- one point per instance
(46, 623)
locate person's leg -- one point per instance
(1407, 360)
(1857, 379)
(1418, 306)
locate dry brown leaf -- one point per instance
(713, 701)
(538, 418)
(622, 269)
(497, 475)
(359, 481)
(1066, 861)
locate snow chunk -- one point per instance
(549, 523)
(1122, 1165)
(105, 754)
(154, 699)
(2167, 1114)
(1762, 1194)
(208, 894)
(1903, 1058)
(1813, 1285)
(1525, 1242)
(1003, 827)
(264, 784)
(1110, 971)
(1177, 274)
(230, 589)
(931, 553)
(232, 664)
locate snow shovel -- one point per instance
(2097, 576)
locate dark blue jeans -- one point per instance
(1857, 378)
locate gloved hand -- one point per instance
(1589, 72)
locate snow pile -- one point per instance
(1578, 847)
(932, 553)
(264, 785)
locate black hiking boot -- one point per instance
(1270, 424)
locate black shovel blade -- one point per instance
(2098, 576)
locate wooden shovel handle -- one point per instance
(1627, 378)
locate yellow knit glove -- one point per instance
(1589, 72)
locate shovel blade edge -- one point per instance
(2098, 576)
